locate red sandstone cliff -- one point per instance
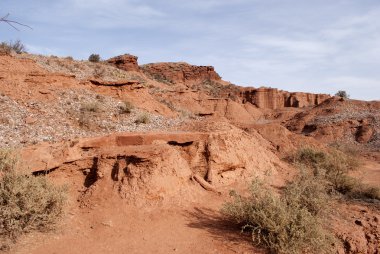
(214, 86)
(273, 98)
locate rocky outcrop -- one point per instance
(125, 62)
(273, 98)
(180, 73)
(340, 120)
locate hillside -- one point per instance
(149, 153)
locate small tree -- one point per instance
(342, 94)
(95, 58)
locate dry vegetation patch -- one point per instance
(286, 223)
(27, 202)
(334, 167)
(295, 220)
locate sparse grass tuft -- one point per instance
(8, 160)
(5, 48)
(90, 107)
(143, 118)
(288, 223)
(84, 120)
(99, 71)
(126, 107)
(27, 202)
(8, 47)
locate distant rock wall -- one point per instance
(176, 73)
(273, 98)
(205, 76)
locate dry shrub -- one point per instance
(27, 202)
(369, 192)
(143, 118)
(309, 191)
(288, 223)
(90, 107)
(9, 47)
(126, 107)
(84, 120)
(334, 167)
(5, 48)
(99, 71)
(8, 160)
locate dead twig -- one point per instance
(13, 23)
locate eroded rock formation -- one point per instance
(182, 73)
(125, 62)
(273, 98)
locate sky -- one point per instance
(319, 46)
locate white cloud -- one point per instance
(295, 47)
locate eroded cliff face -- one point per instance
(272, 98)
(180, 73)
(208, 81)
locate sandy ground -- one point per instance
(114, 228)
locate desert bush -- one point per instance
(95, 58)
(27, 202)
(90, 107)
(285, 223)
(5, 48)
(342, 94)
(17, 47)
(309, 191)
(334, 168)
(126, 107)
(99, 71)
(369, 192)
(143, 118)
(84, 120)
(8, 160)
(310, 157)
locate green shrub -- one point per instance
(27, 203)
(126, 107)
(95, 58)
(282, 223)
(143, 118)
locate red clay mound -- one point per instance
(157, 166)
(340, 120)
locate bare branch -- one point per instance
(12, 23)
